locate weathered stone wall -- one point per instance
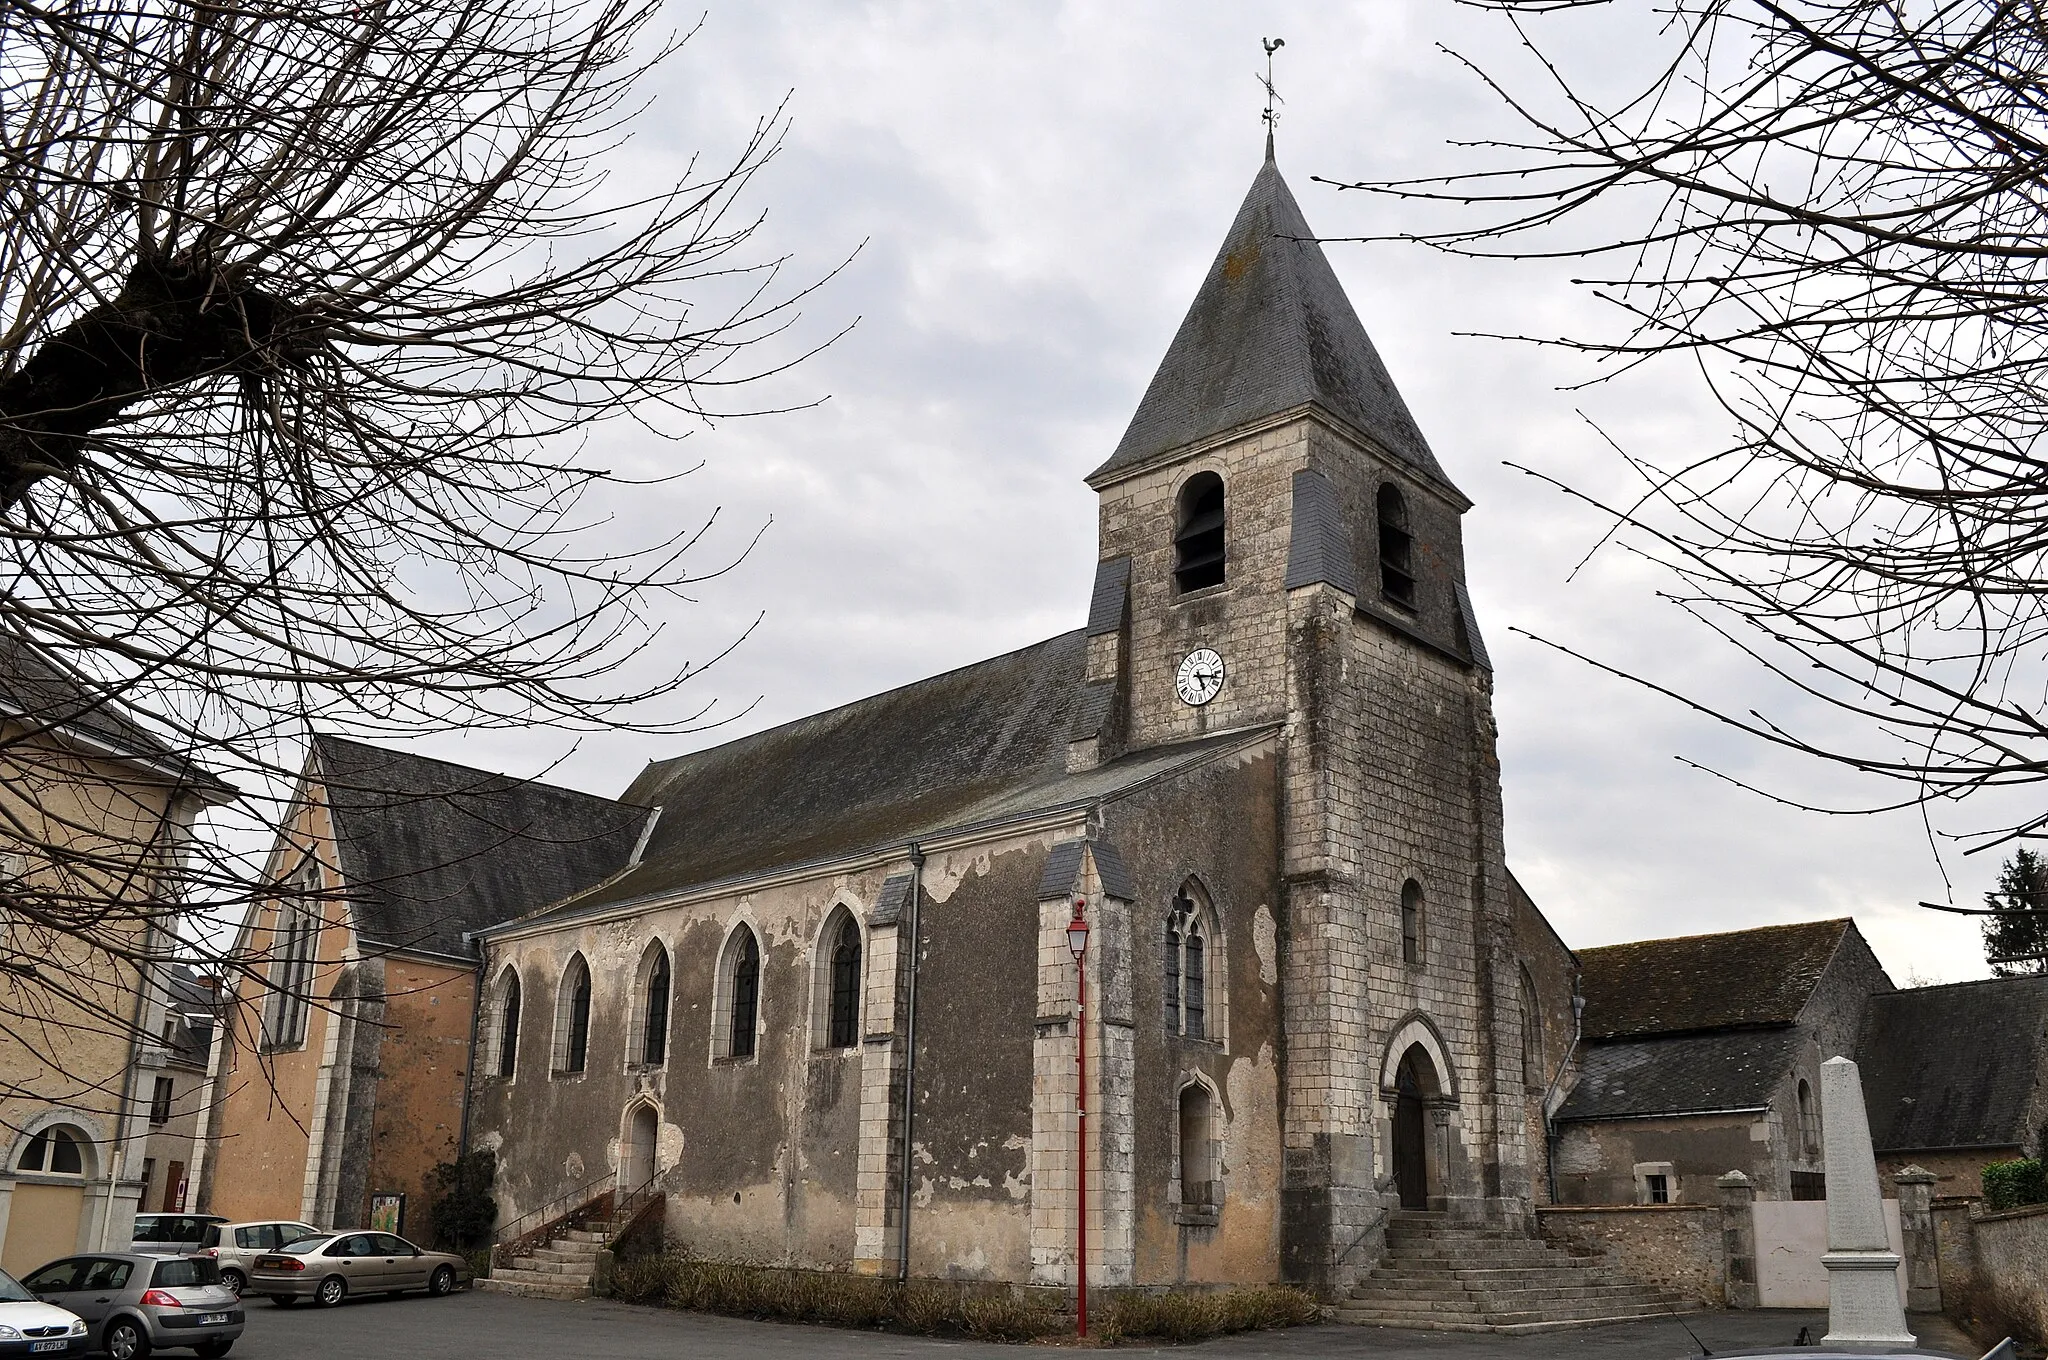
(2010, 1250)
(1679, 1247)
(423, 1060)
(1958, 1174)
(1553, 972)
(1596, 1160)
(1218, 826)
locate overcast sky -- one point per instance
(1034, 190)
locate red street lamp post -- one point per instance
(1077, 944)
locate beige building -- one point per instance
(94, 808)
(174, 1084)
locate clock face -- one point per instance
(1200, 677)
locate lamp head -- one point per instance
(1077, 930)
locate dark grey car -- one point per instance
(135, 1303)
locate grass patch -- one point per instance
(1180, 1317)
(679, 1280)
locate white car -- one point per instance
(29, 1326)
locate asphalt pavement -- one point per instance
(497, 1325)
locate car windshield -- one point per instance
(11, 1290)
(306, 1243)
(169, 1228)
(185, 1272)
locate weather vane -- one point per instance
(1271, 115)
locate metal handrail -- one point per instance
(556, 1211)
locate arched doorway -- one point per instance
(48, 1203)
(1416, 1087)
(637, 1165)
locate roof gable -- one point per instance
(45, 694)
(1696, 983)
(1955, 1066)
(428, 849)
(1270, 330)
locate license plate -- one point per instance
(56, 1345)
(207, 1318)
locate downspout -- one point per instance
(1550, 1128)
(909, 1068)
(476, 1008)
(125, 1119)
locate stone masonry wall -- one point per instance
(1678, 1247)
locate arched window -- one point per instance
(736, 1008)
(56, 1152)
(1188, 963)
(1532, 1032)
(1397, 548)
(653, 1007)
(1411, 922)
(506, 1031)
(1198, 534)
(1197, 1147)
(843, 1004)
(572, 1018)
(1809, 1120)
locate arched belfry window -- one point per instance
(842, 1006)
(1411, 922)
(736, 1012)
(648, 1043)
(1189, 961)
(1397, 548)
(1198, 534)
(572, 1018)
(505, 1032)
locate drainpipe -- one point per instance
(1549, 1128)
(909, 1068)
(476, 1008)
(130, 1087)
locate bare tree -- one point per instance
(1836, 212)
(309, 310)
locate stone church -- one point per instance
(827, 1003)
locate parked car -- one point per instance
(173, 1233)
(133, 1303)
(328, 1267)
(235, 1246)
(28, 1326)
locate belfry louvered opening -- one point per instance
(1198, 539)
(1397, 548)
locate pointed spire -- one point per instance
(1270, 330)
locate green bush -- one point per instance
(2008, 1185)
(1180, 1317)
(463, 1209)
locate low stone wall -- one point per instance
(2011, 1249)
(1679, 1247)
(1956, 1244)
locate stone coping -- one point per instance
(2007, 1215)
(1627, 1208)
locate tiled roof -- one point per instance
(430, 849)
(1682, 1074)
(1706, 982)
(1955, 1066)
(46, 694)
(1270, 330)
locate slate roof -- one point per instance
(979, 745)
(1955, 1066)
(1706, 982)
(1270, 329)
(429, 849)
(46, 694)
(1681, 1074)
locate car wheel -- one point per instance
(333, 1290)
(235, 1280)
(125, 1340)
(284, 1300)
(443, 1281)
(213, 1350)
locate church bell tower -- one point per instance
(1280, 547)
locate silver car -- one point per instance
(235, 1246)
(134, 1303)
(332, 1266)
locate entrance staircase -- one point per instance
(560, 1269)
(1458, 1277)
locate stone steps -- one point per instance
(1442, 1276)
(560, 1270)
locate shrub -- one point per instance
(678, 1280)
(463, 1208)
(1180, 1317)
(2008, 1185)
